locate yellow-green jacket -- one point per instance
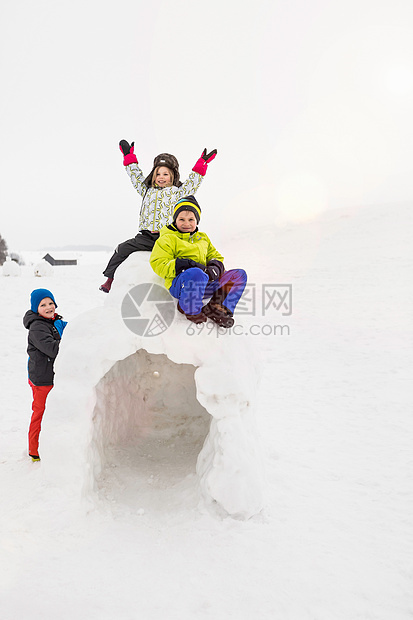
(173, 244)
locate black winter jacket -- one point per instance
(43, 347)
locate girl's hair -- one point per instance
(155, 172)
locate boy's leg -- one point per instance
(189, 287)
(142, 242)
(228, 289)
(40, 393)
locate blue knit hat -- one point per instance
(36, 297)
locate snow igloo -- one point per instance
(147, 403)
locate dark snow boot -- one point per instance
(106, 286)
(195, 318)
(219, 314)
(34, 457)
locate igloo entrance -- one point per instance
(148, 428)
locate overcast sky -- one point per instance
(309, 103)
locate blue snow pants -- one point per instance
(191, 287)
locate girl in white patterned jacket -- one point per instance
(160, 191)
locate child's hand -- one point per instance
(202, 163)
(186, 263)
(212, 272)
(214, 269)
(128, 155)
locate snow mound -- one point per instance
(169, 407)
(43, 269)
(11, 268)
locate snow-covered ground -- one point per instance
(334, 541)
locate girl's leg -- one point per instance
(189, 288)
(228, 289)
(40, 393)
(140, 243)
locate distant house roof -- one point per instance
(59, 261)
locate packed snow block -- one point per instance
(135, 377)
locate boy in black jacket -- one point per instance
(45, 331)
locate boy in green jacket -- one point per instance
(193, 269)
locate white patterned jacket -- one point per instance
(158, 203)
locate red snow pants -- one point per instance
(40, 393)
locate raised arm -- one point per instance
(131, 165)
(193, 182)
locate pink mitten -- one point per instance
(201, 165)
(128, 155)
